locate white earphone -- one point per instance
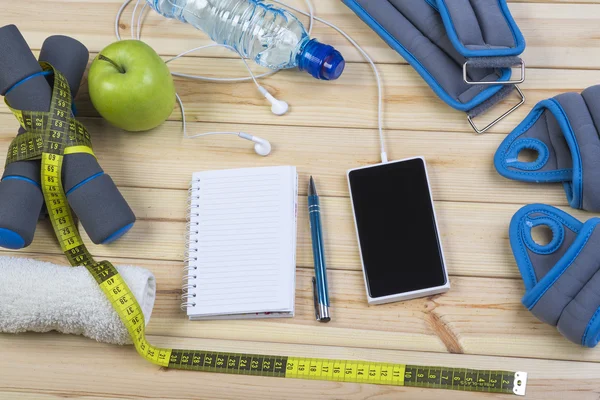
(278, 107)
(262, 146)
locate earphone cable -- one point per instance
(132, 24)
(139, 21)
(254, 77)
(369, 60)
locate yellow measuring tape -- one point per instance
(52, 135)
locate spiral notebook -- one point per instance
(242, 244)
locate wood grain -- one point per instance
(331, 128)
(49, 381)
(458, 322)
(468, 230)
(551, 29)
(409, 104)
(458, 162)
(349, 102)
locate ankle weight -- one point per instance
(562, 278)
(564, 132)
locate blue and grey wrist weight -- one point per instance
(564, 133)
(562, 277)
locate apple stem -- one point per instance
(104, 58)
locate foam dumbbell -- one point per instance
(95, 199)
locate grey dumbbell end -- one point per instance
(95, 199)
(67, 55)
(21, 198)
(101, 209)
(17, 220)
(17, 63)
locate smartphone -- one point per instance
(397, 231)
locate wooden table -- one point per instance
(330, 128)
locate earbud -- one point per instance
(262, 146)
(278, 107)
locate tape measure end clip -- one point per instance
(520, 383)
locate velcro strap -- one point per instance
(481, 28)
(562, 278)
(437, 41)
(563, 132)
(494, 62)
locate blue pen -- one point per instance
(320, 290)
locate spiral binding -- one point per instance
(190, 254)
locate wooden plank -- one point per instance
(468, 230)
(349, 102)
(460, 321)
(129, 375)
(460, 164)
(330, 128)
(552, 30)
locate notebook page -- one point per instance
(245, 228)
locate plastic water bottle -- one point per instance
(273, 37)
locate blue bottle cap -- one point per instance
(321, 61)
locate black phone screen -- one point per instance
(396, 226)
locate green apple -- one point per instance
(131, 86)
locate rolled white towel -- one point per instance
(39, 296)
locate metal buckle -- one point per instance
(515, 82)
(500, 118)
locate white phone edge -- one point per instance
(415, 293)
